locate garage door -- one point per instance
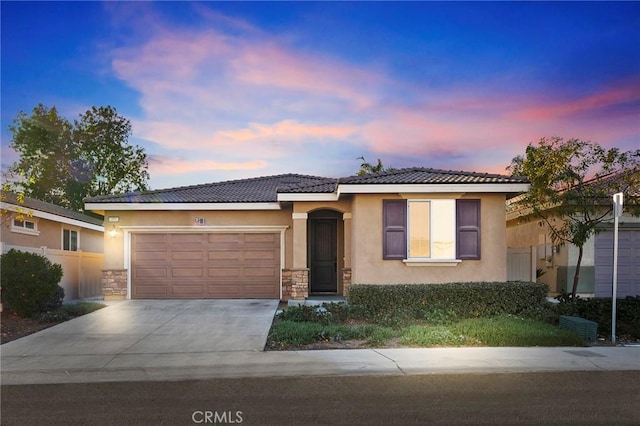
(205, 265)
(628, 264)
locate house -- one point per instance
(290, 236)
(557, 263)
(70, 238)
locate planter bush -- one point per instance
(599, 310)
(30, 283)
(451, 300)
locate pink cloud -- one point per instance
(163, 165)
(289, 130)
(610, 97)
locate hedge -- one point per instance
(599, 311)
(464, 300)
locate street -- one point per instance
(523, 398)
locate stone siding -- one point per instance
(114, 284)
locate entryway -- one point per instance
(324, 256)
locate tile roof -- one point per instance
(421, 175)
(414, 175)
(33, 204)
(253, 190)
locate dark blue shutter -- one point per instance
(468, 229)
(394, 219)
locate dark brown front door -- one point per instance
(324, 256)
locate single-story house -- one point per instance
(558, 262)
(290, 236)
(70, 238)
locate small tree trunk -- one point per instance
(576, 276)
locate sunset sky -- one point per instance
(219, 91)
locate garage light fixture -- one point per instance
(113, 232)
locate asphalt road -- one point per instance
(606, 398)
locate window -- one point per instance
(69, 240)
(431, 229)
(24, 226)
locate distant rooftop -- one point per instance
(33, 204)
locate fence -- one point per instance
(82, 271)
(521, 264)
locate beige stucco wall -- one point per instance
(368, 267)
(50, 236)
(528, 232)
(115, 247)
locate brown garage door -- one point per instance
(205, 265)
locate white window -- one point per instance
(24, 226)
(70, 240)
(431, 229)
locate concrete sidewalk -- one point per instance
(206, 365)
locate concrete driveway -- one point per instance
(134, 333)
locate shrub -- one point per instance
(328, 313)
(29, 282)
(443, 302)
(599, 311)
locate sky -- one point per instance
(230, 90)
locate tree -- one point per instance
(572, 182)
(368, 168)
(62, 163)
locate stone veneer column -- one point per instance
(299, 283)
(346, 281)
(114, 284)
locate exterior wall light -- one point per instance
(113, 232)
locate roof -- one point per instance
(33, 204)
(414, 175)
(254, 190)
(266, 189)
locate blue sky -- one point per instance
(220, 91)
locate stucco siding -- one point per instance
(368, 266)
(129, 220)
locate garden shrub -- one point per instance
(442, 302)
(327, 313)
(599, 311)
(29, 282)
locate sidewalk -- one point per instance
(207, 365)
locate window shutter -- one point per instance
(468, 229)
(394, 219)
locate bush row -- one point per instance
(599, 310)
(440, 302)
(30, 283)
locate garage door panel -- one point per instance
(186, 272)
(151, 255)
(223, 238)
(150, 273)
(205, 265)
(186, 289)
(224, 255)
(151, 290)
(186, 255)
(628, 263)
(224, 272)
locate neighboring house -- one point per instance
(529, 238)
(64, 236)
(291, 236)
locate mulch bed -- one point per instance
(13, 327)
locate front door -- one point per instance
(323, 256)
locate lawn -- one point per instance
(303, 330)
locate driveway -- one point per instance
(136, 332)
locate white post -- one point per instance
(618, 200)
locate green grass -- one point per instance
(496, 331)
